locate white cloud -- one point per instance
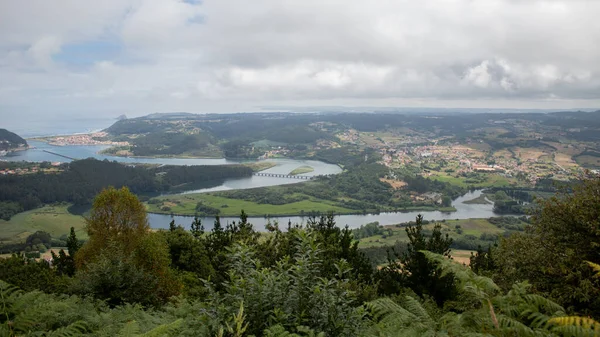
(227, 54)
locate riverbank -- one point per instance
(110, 152)
(186, 205)
(337, 211)
(5, 153)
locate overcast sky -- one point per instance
(80, 57)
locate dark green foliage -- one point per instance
(510, 223)
(379, 255)
(314, 281)
(552, 254)
(73, 243)
(339, 244)
(481, 309)
(8, 209)
(420, 184)
(370, 229)
(412, 268)
(83, 179)
(39, 237)
(483, 262)
(290, 294)
(205, 210)
(118, 279)
(240, 148)
(509, 207)
(29, 274)
(197, 229)
(65, 264)
(169, 143)
(190, 258)
(10, 140)
(134, 126)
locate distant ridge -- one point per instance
(10, 141)
(170, 115)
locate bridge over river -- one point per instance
(278, 175)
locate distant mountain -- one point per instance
(10, 141)
(171, 115)
(122, 117)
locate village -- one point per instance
(32, 168)
(445, 159)
(96, 138)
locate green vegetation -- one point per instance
(260, 165)
(301, 170)
(479, 200)
(312, 280)
(467, 234)
(10, 141)
(79, 181)
(186, 204)
(294, 199)
(533, 276)
(54, 219)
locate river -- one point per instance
(284, 166)
(463, 211)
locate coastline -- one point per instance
(5, 153)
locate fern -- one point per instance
(164, 329)
(595, 267)
(131, 329)
(74, 329)
(575, 326)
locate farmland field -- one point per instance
(186, 204)
(54, 219)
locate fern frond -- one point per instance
(509, 324)
(74, 329)
(131, 329)
(542, 303)
(384, 307)
(393, 319)
(416, 308)
(595, 267)
(584, 322)
(164, 329)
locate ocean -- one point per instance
(43, 127)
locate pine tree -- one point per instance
(412, 269)
(197, 227)
(73, 244)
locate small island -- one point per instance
(302, 170)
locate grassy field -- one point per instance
(260, 166)
(301, 170)
(483, 180)
(474, 227)
(462, 256)
(588, 161)
(186, 205)
(55, 220)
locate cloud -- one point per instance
(234, 54)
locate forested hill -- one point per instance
(10, 140)
(79, 181)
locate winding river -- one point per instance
(284, 166)
(463, 211)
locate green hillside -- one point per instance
(10, 140)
